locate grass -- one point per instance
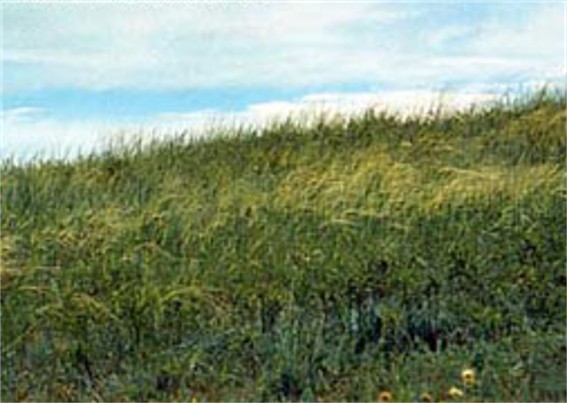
(326, 261)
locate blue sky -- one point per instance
(75, 72)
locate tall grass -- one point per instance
(328, 261)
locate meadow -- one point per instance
(348, 259)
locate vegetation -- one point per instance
(347, 259)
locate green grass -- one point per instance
(325, 261)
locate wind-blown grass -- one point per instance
(328, 261)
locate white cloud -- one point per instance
(540, 35)
(439, 38)
(186, 45)
(538, 39)
(165, 46)
(31, 132)
(21, 115)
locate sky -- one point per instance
(78, 73)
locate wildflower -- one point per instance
(425, 397)
(385, 396)
(193, 399)
(455, 393)
(468, 377)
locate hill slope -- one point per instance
(327, 261)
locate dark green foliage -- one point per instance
(301, 262)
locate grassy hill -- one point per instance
(330, 261)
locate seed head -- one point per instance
(425, 397)
(455, 393)
(468, 377)
(385, 396)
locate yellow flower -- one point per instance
(468, 377)
(194, 400)
(426, 397)
(455, 393)
(385, 396)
